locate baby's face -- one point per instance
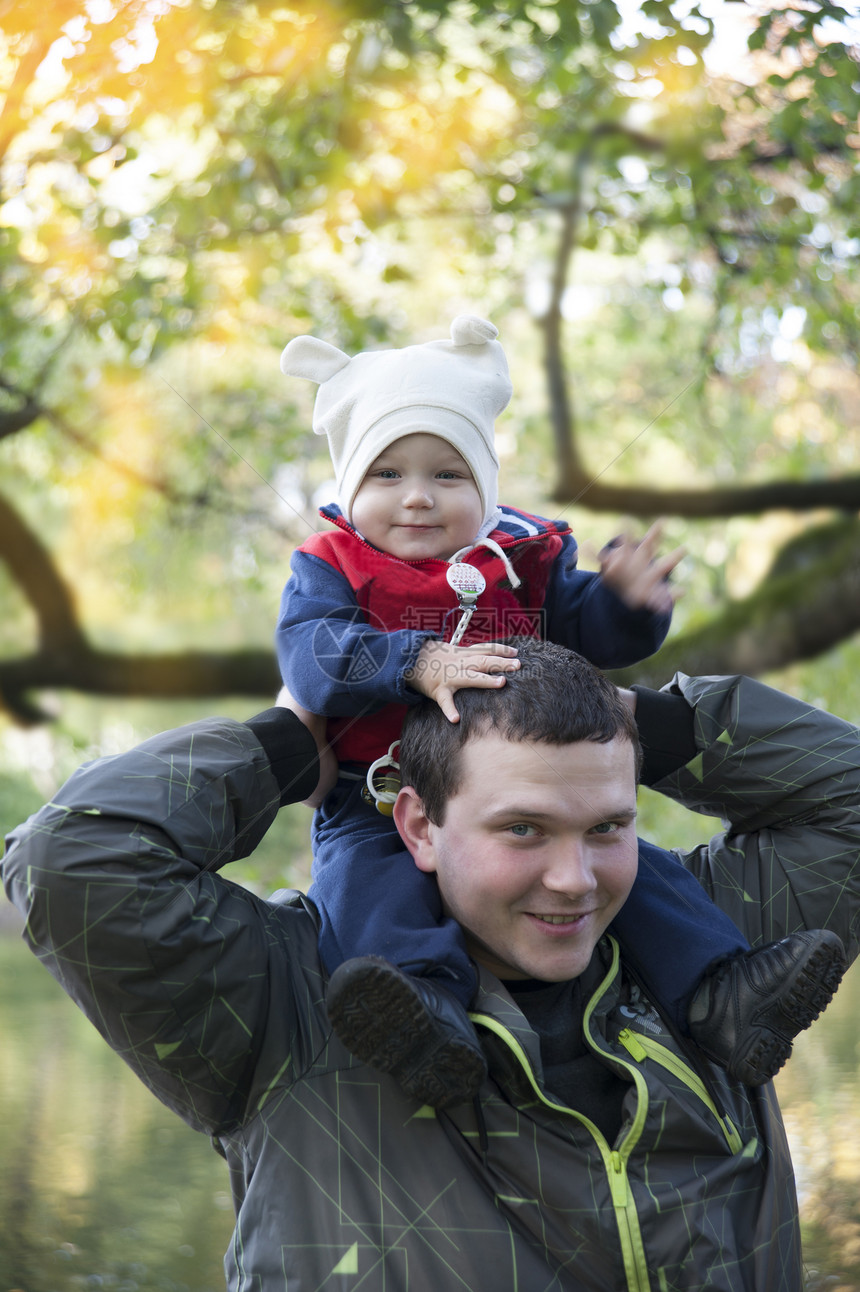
(419, 500)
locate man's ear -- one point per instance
(415, 830)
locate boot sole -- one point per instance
(817, 979)
(380, 1019)
(816, 986)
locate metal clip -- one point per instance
(468, 583)
(388, 786)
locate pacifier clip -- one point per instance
(468, 584)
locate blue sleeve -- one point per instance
(331, 659)
(585, 615)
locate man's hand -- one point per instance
(317, 727)
(636, 576)
(441, 669)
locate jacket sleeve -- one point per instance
(117, 879)
(785, 777)
(332, 660)
(585, 615)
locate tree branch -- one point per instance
(65, 659)
(562, 418)
(841, 493)
(13, 420)
(34, 571)
(183, 675)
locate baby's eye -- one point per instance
(386, 473)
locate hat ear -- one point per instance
(307, 356)
(467, 329)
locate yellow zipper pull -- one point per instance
(632, 1044)
(617, 1180)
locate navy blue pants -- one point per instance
(373, 900)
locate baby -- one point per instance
(412, 594)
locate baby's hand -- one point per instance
(635, 575)
(441, 669)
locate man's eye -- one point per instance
(605, 827)
(522, 830)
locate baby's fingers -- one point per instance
(473, 678)
(650, 541)
(666, 564)
(473, 682)
(445, 700)
(491, 648)
(492, 664)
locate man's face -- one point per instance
(537, 852)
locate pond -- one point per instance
(102, 1188)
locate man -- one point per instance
(603, 1152)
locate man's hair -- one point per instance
(555, 697)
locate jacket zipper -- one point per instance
(641, 1047)
(614, 1160)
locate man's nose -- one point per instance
(569, 871)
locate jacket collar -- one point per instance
(506, 1027)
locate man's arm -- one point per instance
(117, 879)
(785, 776)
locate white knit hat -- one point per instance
(454, 389)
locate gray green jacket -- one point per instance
(215, 998)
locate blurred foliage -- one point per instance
(185, 186)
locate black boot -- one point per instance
(408, 1026)
(748, 1010)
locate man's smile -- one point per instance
(559, 919)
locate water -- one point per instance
(102, 1188)
(820, 1096)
